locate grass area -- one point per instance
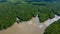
(53, 28)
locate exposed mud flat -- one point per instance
(29, 27)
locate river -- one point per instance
(29, 27)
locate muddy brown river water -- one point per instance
(29, 27)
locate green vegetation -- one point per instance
(42, 14)
(40, 3)
(8, 13)
(45, 13)
(53, 28)
(56, 10)
(25, 11)
(7, 16)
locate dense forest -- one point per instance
(8, 13)
(45, 13)
(9, 10)
(53, 28)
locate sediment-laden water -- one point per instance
(29, 27)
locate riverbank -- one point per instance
(27, 27)
(30, 27)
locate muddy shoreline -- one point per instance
(29, 27)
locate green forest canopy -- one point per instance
(25, 11)
(8, 14)
(53, 28)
